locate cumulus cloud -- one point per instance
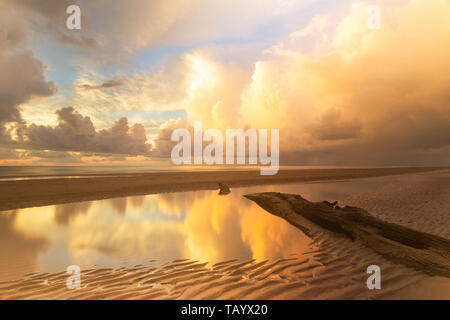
(50, 16)
(213, 91)
(163, 144)
(76, 132)
(22, 75)
(368, 97)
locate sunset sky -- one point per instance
(111, 93)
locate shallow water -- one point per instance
(156, 229)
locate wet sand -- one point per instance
(32, 193)
(333, 268)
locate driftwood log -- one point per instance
(419, 250)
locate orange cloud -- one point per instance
(362, 97)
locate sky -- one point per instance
(340, 91)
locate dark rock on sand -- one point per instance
(224, 189)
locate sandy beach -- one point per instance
(331, 267)
(31, 193)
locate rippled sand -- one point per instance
(336, 270)
(334, 267)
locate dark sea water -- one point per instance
(74, 171)
(26, 171)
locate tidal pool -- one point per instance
(156, 229)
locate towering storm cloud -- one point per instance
(360, 96)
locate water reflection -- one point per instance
(200, 225)
(65, 213)
(18, 250)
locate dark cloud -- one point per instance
(76, 132)
(333, 127)
(50, 17)
(22, 75)
(22, 78)
(13, 33)
(52, 9)
(105, 85)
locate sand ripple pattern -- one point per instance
(335, 270)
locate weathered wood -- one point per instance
(419, 250)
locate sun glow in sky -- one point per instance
(341, 93)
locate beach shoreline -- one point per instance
(42, 192)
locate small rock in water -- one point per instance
(224, 189)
